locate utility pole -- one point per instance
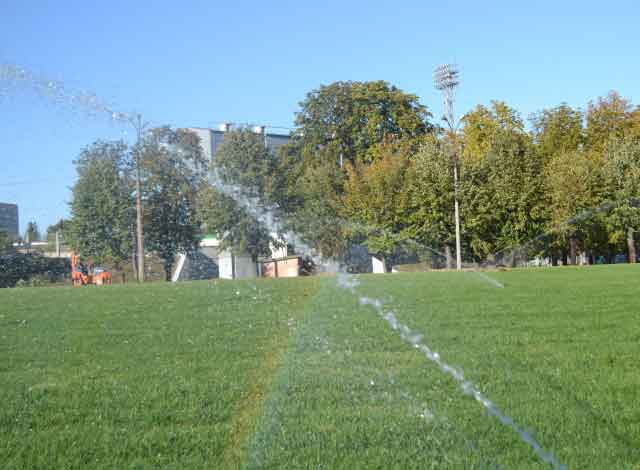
(58, 243)
(446, 79)
(140, 126)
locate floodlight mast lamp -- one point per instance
(446, 79)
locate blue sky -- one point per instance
(199, 63)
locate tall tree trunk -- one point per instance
(631, 245)
(554, 259)
(254, 259)
(134, 261)
(564, 257)
(573, 251)
(449, 258)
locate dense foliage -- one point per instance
(174, 169)
(32, 233)
(564, 188)
(365, 166)
(17, 267)
(102, 224)
(102, 207)
(340, 129)
(5, 241)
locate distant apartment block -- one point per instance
(210, 139)
(9, 219)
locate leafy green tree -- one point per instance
(482, 125)
(245, 161)
(609, 117)
(558, 130)
(559, 135)
(338, 124)
(431, 191)
(247, 168)
(622, 172)
(283, 190)
(634, 124)
(344, 120)
(102, 208)
(317, 220)
(32, 232)
(174, 170)
(232, 224)
(571, 182)
(377, 200)
(5, 242)
(502, 198)
(59, 227)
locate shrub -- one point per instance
(17, 267)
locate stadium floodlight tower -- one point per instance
(446, 79)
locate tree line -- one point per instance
(368, 164)
(103, 215)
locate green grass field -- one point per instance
(297, 374)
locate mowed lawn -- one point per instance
(298, 374)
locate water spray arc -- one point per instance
(446, 79)
(514, 251)
(90, 105)
(415, 339)
(350, 283)
(56, 92)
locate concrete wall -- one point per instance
(377, 266)
(225, 265)
(203, 264)
(245, 268)
(232, 266)
(209, 262)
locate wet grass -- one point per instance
(297, 374)
(160, 376)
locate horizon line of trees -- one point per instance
(366, 164)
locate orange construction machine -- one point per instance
(84, 275)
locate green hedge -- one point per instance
(18, 266)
